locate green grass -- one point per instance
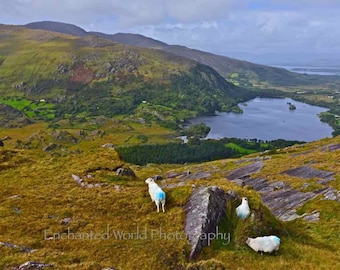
(240, 148)
(47, 194)
(31, 108)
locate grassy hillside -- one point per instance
(39, 199)
(50, 76)
(240, 72)
(261, 79)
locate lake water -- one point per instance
(313, 70)
(269, 119)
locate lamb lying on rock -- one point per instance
(264, 244)
(156, 193)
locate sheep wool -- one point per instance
(264, 244)
(243, 209)
(156, 193)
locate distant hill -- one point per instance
(92, 76)
(239, 72)
(133, 40)
(64, 28)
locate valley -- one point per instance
(86, 117)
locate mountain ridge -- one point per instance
(239, 71)
(96, 76)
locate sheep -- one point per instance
(156, 193)
(243, 209)
(264, 244)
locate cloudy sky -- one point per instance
(219, 26)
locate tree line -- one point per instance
(195, 150)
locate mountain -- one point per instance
(240, 72)
(91, 76)
(133, 40)
(64, 28)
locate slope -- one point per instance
(90, 76)
(113, 223)
(242, 72)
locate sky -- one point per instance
(218, 26)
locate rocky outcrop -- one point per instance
(196, 176)
(64, 136)
(183, 177)
(172, 174)
(84, 184)
(109, 145)
(33, 266)
(281, 199)
(331, 147)
(204, 210)
(17, 247)
(246, 170)
(12, 118)
(125, 172)
(50, 147)
(309, 172)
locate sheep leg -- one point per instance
(163, 207)
(157, 204)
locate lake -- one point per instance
(313, 70)
(269, 119)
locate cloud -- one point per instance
(211, 25)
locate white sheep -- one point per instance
(264, 244)
(243, 209)
(156, 193)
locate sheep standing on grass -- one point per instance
(156, 193)
(243, 209)
(264, 244)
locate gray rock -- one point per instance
(204, 210)
(314, 216)
(109, 145)
(14, 246)
(238, 181)
(125, 172)
(77, 179)
(66, 221)
(309, 172)
(50, 147)
(246, 170)
(279, 197)
(33, 266)
(331, 147)
(195, 176)
(176, 174)
(174, 185)
(329, 193)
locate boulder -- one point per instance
(125, 172)
(204, 210)
(50, 147)
(109, 145)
